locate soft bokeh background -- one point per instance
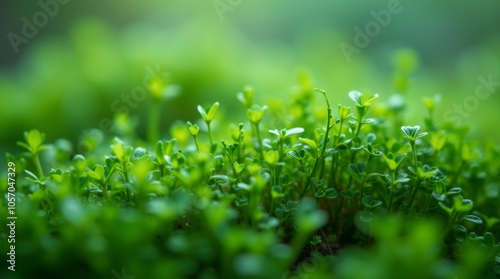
(66, 78)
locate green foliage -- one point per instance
(276, 193)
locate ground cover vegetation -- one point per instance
(300, 188)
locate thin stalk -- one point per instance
(325, 141)
(259, 141)
(391, 201)
(321, 157)
(353, 155)
(449, 225)
(281, 156)
(162, 169)
(335, 157)
(417, 184)
(36, 160)
(125, 175)
(240, 147)
(196, 143)
(229, 158)
(280, 144)
(413, 195)
(210, 134)
(363, 187)
(412, 144)
(358, 129)
(309, 177)
(328, 127)
(274, 175)
(322, 170)
(154, 121)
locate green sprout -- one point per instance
(208, 117)
(412, 134)
(320, 155)
(255, 115)
(34, 145)
(193, 130)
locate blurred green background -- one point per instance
(87, 54)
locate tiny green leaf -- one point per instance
(97, 173)
(222, 180)
(393, 161)
(238, 167)
(202, 112)
(294, 131)
(411, 132)
(193, 128)
(344, 112)
(31, 174)
(213, 110)
(438, 196)
(159, 152)
(366, 216)
(355, 96)
(489, 239)
(272, 157)
(460, 232)
(295, 155)
(309, 142)
(462, 205)
(454, 191)
(331, 193)
(256, 113)
(277, 192)
(347, 194)
(474, 219)
(438, 140)
(319, 194)
(33, 141)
